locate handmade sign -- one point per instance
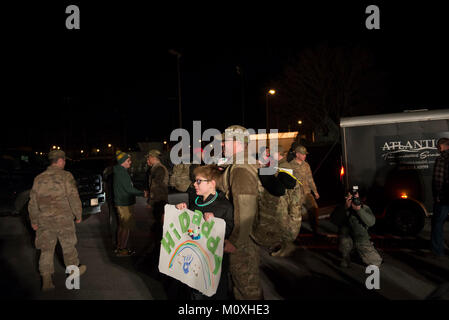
(192, 249)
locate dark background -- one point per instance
(113, 81)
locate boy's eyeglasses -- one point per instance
(198, 181)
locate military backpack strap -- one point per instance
(227, 183)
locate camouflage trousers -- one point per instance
(244, 269)
(47, 235)
(291, 229)
(365, 249)
(312, 210)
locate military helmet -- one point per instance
(237, 131)
(56, 154)
(301, 149)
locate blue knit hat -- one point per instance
(121, 156)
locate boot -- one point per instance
(47, 282)
(279, 251)
(287, 250)
(82, 269)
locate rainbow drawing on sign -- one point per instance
(198, 251)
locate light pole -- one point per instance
(178, 57)
(270, 92)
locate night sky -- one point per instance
(114, 79)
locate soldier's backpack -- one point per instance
(268, 224)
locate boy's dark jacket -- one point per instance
(221, 208)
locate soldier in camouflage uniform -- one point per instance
(241, 185)
(158, 196)
(54, 204)
(353, 222)
(159, 179)
(292, 206)
(302, 171)
(280, 205)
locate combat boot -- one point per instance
(287, 250)
(81, 268)
(47, 282)
(278, 252)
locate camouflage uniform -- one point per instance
(296, 201)
(180, 178)
(291, 217)
(241, 184)
(279, 218)
(158, 195)
(158, 184)
(303, 172)
(54, 203)
(354, 233)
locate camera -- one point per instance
(355, 200)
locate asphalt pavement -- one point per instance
(312, 271)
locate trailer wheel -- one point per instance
(406, 218)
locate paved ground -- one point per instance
(312, 272)
(107, 277)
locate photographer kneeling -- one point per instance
(353, 219)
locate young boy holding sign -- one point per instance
(213, 203)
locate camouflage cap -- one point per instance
(301, 149)
(56, 154)
(240, 133)
(154, 153)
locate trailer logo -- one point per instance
(408, 152)
(421, 149)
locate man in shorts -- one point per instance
(124, 200)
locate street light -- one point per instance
(299, 122)
(270, 92)
(109, 145)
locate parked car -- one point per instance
(19, 168)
